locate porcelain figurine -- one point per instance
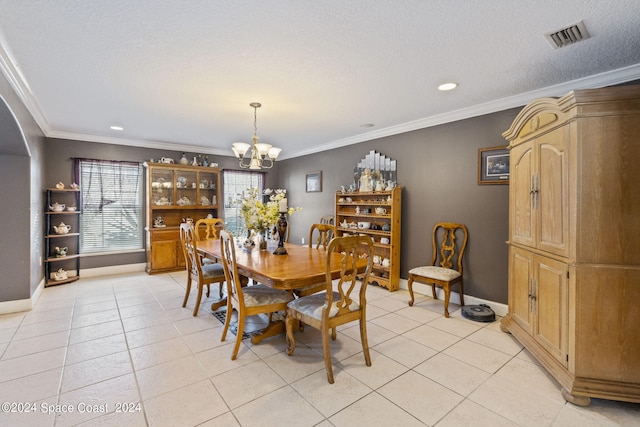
(62, 228)
(57, 207)
(61, 252)
(61, 274)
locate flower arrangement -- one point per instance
(261, 216)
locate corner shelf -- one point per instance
(70, 262)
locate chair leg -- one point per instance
(197, 307)
(238, 336)
(326, 351)
(290, 323)
(188, 291)
(433, 291)
(461, 294)
(410, 285)
(227, 320)
(447, 295)
(208, 289)
(365, 342)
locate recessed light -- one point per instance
(117, 128)
(447, 86)
(367, 125)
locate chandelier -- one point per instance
(262, 156)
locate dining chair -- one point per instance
(327, 310)
(327, 219)
(209, 228)
(202, 273)
(324, 232)
(446, 263)
(249, 300)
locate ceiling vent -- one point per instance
(567, 36)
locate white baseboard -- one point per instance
(112, 270)
(27, 304)
(420, 288)
(17, 306)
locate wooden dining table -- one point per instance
(301, 266)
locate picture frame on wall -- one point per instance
(314, 182)
(493, 166)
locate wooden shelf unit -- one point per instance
(175, 192)
(71, 261)
(348, 213)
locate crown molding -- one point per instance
(608, 78)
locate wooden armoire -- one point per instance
(574, 240)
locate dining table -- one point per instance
(299, 267)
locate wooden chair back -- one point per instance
(327, 219)
(325, 233)
(353, 248)
(209, 228)
(447, 252)
(190, 249)
(228, 255)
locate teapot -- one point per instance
(61, 274)
(57, 207)
(61, 252)
(62, 228)
(380, 210)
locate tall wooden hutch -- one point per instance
(574, 253)
(175, 193)
(381, 212)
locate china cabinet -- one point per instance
(574, 258)
(62, 236)
(175, 193)
(377, 214)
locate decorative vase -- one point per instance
(184, 160)
(263, 240)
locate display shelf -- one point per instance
(175, 193)
(54, 265)
(352, 208)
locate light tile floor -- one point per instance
(121, 351)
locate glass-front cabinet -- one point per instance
(176, 193)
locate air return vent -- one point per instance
(567, 36)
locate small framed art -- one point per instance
(314, 182)
(493, 165)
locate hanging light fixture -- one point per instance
(262, 156)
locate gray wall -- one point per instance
(437, 168)
(59, 167)
(21, 166)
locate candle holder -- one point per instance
(282, 232)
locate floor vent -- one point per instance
(567, 36)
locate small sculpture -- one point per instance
(61, 252)
(365, 181)
(158, 222)
(61, 274)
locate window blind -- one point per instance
(235, 184)
(112, 205)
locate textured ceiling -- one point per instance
(181, 75)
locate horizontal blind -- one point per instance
(112, 207)
(235, 184)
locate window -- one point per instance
(234, 185)
(112, 208)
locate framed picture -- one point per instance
(493, 165)
(314, 182)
